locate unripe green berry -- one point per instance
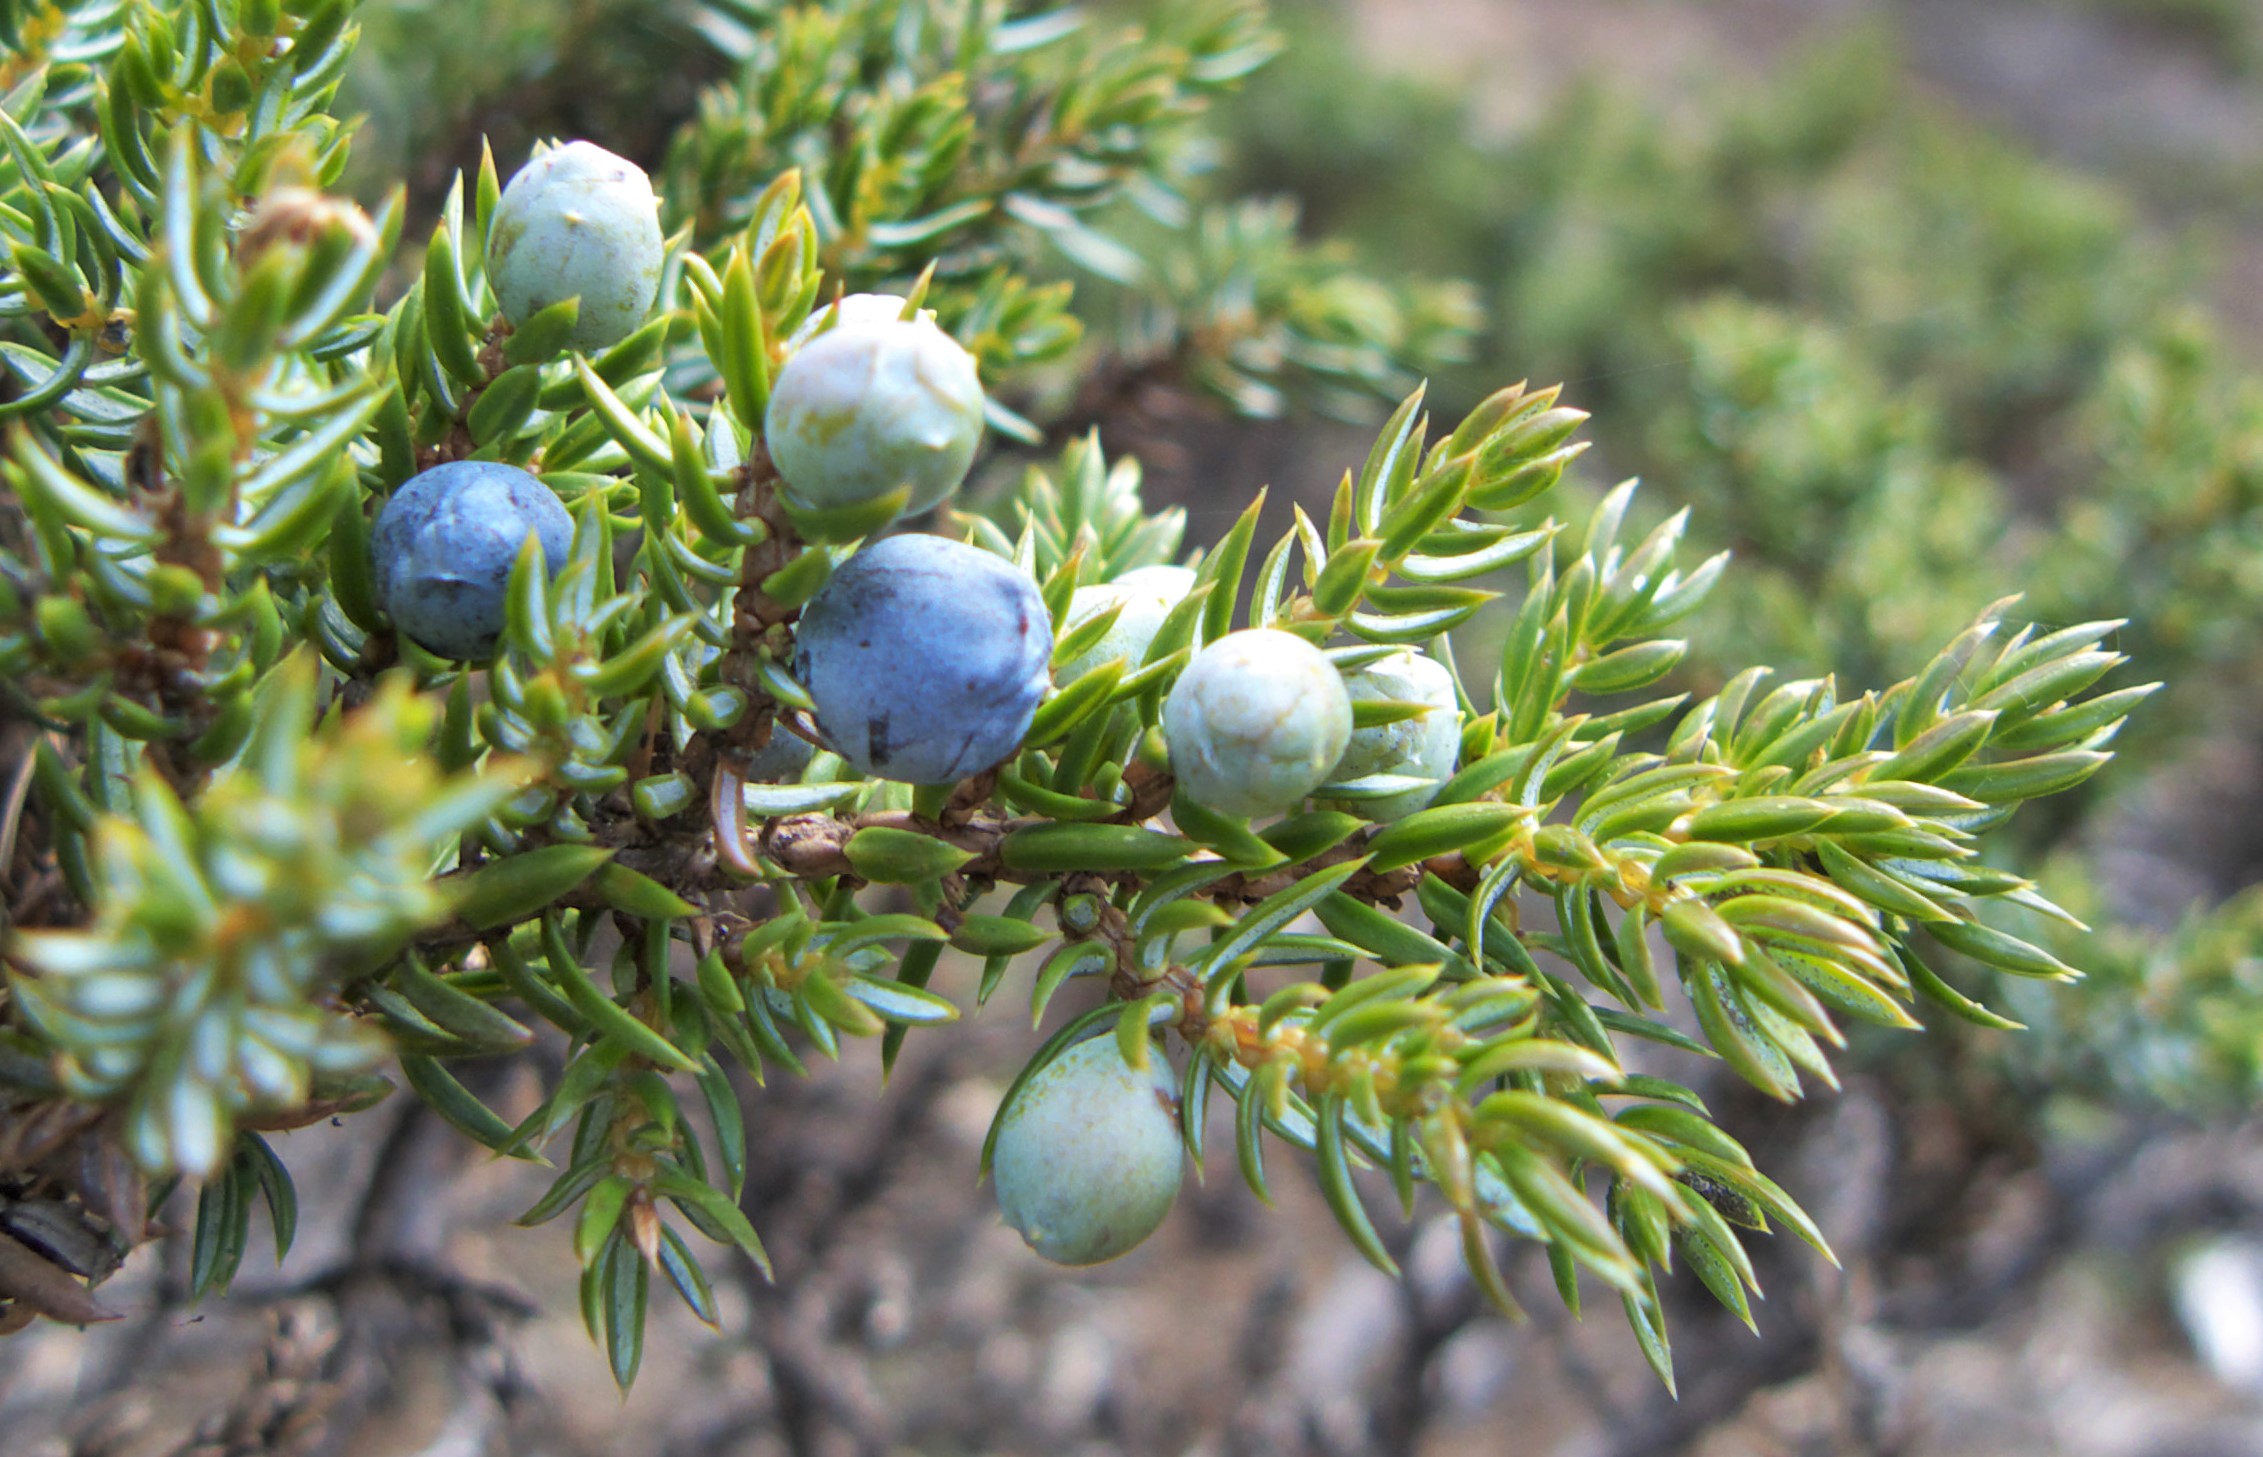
(863, 410)
(853, 311)
(578, 222)
(1088, 1156)
(1256, 722)
(1146, 596)
(1419, 748)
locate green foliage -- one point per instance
(436, 78)
(1015, 149)
(194, 996)
(2223, 30)
(1896, 363)
(1258, 317)
(269, 831)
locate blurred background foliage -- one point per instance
(435, 76)
(1089, 171)
(1896, 360)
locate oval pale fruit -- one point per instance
(1087, 1162)
(578, 222)
(1256, 722)
(1143, 597)
(848, 312)
(866, 409)
(1424, 747)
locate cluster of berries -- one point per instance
(926, 658)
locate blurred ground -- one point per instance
(2035, 1285)
(2118, 87)
(1994, 1301)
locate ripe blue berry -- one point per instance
(578, 222)
(926, 658)
(864, 409)
(443, 548)
(1087, 1160)
(780, 760)
(1146, 596)
(1419, 748)
(1256, 722)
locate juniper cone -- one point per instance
(925, 657)
(577, 222)
(866, 409)
(1422, 747)
(854, 310)
(1142, 600)
(444, 545)
(1088, 1157)
(265, 869)
(1256, 722)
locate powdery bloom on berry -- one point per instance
(1088, 1158)
(1424, 747)
(1256, 722)
(443, 548)
(1145, 597)
(926, 658)
(851, 311)
(578, 222)
(865, 409)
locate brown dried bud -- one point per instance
(300, 216)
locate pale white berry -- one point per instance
(865, 409)
(578, 222)
(1424, 747)
(848, 312)
(1088, 1156)
(1256, 722)
(1144, 597)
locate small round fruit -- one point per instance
(866, 409)
(926, 658)
(443, 547)
(1087, 1161)
(1256, 722)
(780, 760)
(1146, 596)
(848, 312)
(1173, 582)
(1420, 748)
(578, 222)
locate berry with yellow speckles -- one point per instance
(578, 222)
(865, 409)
